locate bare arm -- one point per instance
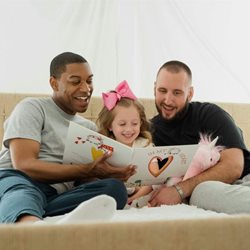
(25, 152)
(227, 170)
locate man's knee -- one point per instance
(20, 200)
(203, 191)
(116, 189)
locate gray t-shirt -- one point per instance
(40, 119)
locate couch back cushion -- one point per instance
(239, 111)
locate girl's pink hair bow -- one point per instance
(122, 90)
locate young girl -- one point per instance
(123, 118)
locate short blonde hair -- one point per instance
(106, 117)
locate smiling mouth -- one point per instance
(168, 108)
(83, 98)
(128, 136)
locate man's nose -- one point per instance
(85, 87)
(168, 98)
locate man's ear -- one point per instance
(53, 83)
(154, 88)
(191, 93)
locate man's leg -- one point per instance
(19, 197)
(66, 202)
(221, 197)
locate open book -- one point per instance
(154, 164)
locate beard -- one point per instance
(178, 116)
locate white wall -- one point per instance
(128, 39)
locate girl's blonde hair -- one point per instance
(106, 117)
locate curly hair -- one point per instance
(106, 117)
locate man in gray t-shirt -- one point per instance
(34, 182)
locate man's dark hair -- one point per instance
(176, 67)
(58, 64)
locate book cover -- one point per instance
(154, 164)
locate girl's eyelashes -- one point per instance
(124, 124)
(121, 124)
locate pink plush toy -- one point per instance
(206, 156)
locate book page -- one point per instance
(84, 146)
(156, 164)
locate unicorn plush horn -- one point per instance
(213, 142)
